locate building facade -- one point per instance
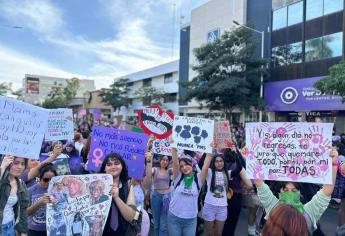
(209, 22)
(306, 40)
(163, 77)
(36, 88)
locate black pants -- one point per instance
(37, 233)
(234, 210)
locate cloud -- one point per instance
(14, 66)
(141, 38)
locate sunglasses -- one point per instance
(46, 179)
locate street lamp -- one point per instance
(262, 57)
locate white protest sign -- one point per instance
(193, 133)
(22, 128)
(80, 205)
(298, 152)
(60, 125)
(162, 147)
(222, 134)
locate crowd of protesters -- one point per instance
(185, 194)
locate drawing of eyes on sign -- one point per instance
(153, 120)
(298, 152)
(193, 133)
(79, 204)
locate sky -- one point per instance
(92, 39)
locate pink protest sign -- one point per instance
(298, 152)
(222, 134)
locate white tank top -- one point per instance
(8, 215)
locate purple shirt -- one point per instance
(37, 221)
(25, 176)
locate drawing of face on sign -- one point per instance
(76, 187)
(153, 120)
(96, 189)
(95, 224)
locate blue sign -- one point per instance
(213, 35)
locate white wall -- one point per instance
(214, 14)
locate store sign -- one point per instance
(299, 95)
(213, 35)
(32, 85)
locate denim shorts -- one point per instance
(8, 229)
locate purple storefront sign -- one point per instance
(299, 95)
(130, 145)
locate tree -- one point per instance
(116, 96)
(70, 91)
(150, 96)
(227, 73)
(60, 96)
(4, 88)
(335, 82)
(56, 97)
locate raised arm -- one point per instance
(34, 172)
(148, 177)
(176, 165)
(327, 189)
(204, 170)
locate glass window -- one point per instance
(168, 78)
(294, 53)
(278, 56)
(295, 13)
(279, 18)
(331, 6)
(172, 97)
(314, 9)
(147, 82)
(333, 45)
(313, 49)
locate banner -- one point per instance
(22, 128)
(299, 95)
(60, 125)
(130, 145)
(81, 113)
(161, 147)
(222, 134)
(80, 204)
(153, 120)
(97, 113)
(297, 152)
(193, 133)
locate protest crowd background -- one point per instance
(165, 175)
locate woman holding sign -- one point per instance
(218, 192)
(290, 194)
(183, 208)
(123, 195)
(38, 199)
(13, 197)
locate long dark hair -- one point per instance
(213, 168)
(47, 168)
(115, 156)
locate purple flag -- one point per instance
(97, 113)
(130, 145)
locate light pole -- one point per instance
(262, 57)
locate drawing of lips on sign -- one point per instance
(153, 120)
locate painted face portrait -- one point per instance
(75, 186)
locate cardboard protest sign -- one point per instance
(153, 120)
(22, 128)
(130, 145)
(162, 147)
(222, 134)
(193, 133)
(81, 113)
(80, 204)
(289, 151)
(60, 125)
